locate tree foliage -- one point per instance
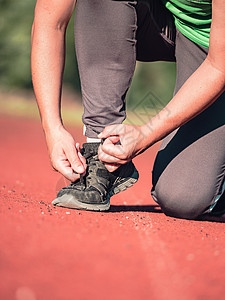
(16, 19)
(15, 26)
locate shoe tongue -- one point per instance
(90, 148)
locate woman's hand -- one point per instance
(65, 155)
(121, 143)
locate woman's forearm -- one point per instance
(48, 57)
(47, 61)
(198, 92)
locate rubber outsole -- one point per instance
(70, 202)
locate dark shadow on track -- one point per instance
(157, 209)
(138, 208)
(210, 218)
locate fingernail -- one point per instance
(80, 169)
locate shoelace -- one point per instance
(82, 178)
(82, 184)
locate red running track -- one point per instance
(132, 252)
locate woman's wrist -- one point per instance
(50, 126)
(147, 136)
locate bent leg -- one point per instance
(106, 35)
(105, 46)
(188, 174)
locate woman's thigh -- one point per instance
(188, 173)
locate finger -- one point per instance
(113, 150)
(112, 139)
(81, 157)
(111, 168)
(74, 159)
(106, 158)
(110, 130)
(78, 147)
(53, 168)
(83, 160)
(67, 171)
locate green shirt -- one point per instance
(192, 18)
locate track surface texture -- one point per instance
(131, 252)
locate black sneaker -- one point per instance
(94, 190)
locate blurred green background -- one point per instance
(15, 26)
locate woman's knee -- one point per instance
(181, 202)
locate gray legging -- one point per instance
(188, 173)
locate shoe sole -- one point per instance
(70, 202)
